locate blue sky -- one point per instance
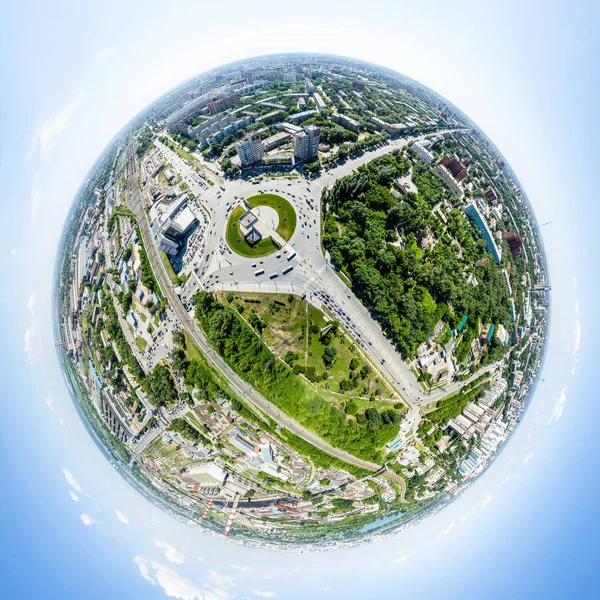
(73, 74)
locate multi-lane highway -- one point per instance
(222, 269)
(242, 388)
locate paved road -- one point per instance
(241, 387)
(222, 269)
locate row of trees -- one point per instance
(251, 359)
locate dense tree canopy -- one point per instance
(373, 236)
(251, 359)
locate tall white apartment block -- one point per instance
(306, 144)
(250, 149)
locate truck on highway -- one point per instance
(259, 272)
(287, 270)
(273, 275)
(292, 255)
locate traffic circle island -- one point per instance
(260, 225)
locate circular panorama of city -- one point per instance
(301, 302)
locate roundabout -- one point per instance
(325, 361)
(260, 225)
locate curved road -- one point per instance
(241, 387)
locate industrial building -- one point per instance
(173, 225)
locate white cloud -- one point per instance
(104, 55)
(401, 559)
(49, 400)
(200, 558)
(486, 500)
(576, 337)
(504, 481)
(468, 514)
(33, 343)
(559, 406)
(264, 594)
(171, 552)
(13, 252)
(527, 458)
(221, 579)
(87, 520)
(242, 568)
(71, 480)
(574, 366)
(173, 584)
(74, 496)
(121, 516)
(153, 521)
(36, 196)
(446, 531)
(55, 125)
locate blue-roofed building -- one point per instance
(95, 376)
(490, 332)
(462, 323)
(96, 389)
(474, 213)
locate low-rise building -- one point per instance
(423, 152)
(321, 106)
(276, 140)
(345, 121)
(302, 116)
(445, 175)
(480, 221)
(391, 128)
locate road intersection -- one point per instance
(218, 268)
(222, 269)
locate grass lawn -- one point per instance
(288, 329)
(286, 212)
(169, 267)
(184, 154)
(192, 351)
(143, 317)
(141, 343)
(239, 245)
